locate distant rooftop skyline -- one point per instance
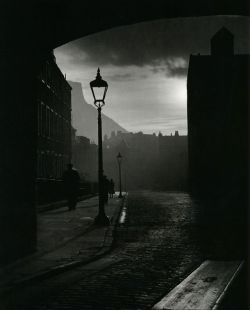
(146, 66)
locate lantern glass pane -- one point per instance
(99, 92)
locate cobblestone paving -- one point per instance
(156, 248)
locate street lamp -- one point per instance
(119, 160)
(99, 89)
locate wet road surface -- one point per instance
(156, 246)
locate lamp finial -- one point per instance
(98, 76)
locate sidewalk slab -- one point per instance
(65, 238)
(59, 204)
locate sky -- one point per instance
(146, 65)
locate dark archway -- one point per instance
(30, 30)
(51, 23)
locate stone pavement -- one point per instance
(156, 248)
(65, 239)
(157, 245)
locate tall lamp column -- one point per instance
(119, 160)
(99, 89)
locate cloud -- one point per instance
(158, 69)
(149, 63)
(153, 42)
(178, 72)
(171, 67)
(159, 120)
(121, 77)
(176, 67)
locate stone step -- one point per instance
(203, 289)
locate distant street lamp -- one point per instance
(119, 160)
(99, 89)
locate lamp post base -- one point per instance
(102, 220)
(120, 195)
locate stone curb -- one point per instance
(109, 238)
(106, 248)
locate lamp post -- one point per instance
(99, 89)
(119, 160)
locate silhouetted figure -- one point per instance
(105, 189)
(71, 180)
(111, 188)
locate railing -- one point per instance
(52, 190)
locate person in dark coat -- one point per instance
(111, 188)
(71, 181)
(105, 189)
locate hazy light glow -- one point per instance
(138, 98)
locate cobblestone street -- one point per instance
(155, 248)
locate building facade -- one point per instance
(53, 126)
(218, 100)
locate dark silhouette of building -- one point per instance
(222, 43)
(218, 99)
(53, 129)
(84, 158)
(148, 161)
(173, 162)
